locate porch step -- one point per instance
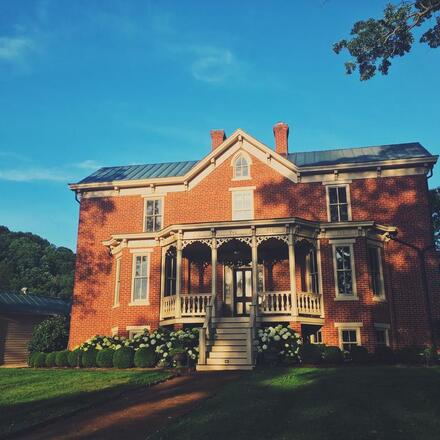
(227, 355)
(228, 342)
(229, 348)
(222, 367)
(231, 319)
(228, 330)
(227, 361)
(232, 324)
(228, 336)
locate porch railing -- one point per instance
(193, 304)
(309, 303)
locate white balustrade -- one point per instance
(169, 306)
(278, 303)
(194, 304)
(309, 303)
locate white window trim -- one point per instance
(245, 189)
(136, 329)
(151, 197)
(379, 251)
(114, 331)
(356, 326)
(386, 327)
(327, 196)
(117, 289)
(140, 253)
(249, 161)
(338, 296)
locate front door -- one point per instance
(242, 291)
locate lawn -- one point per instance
(328, 403)
(29, 397)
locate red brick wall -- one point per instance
(398, 201)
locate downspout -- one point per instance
(77, 194)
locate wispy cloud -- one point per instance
(88, 165)
(15, 48)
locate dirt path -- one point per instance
(136, 414)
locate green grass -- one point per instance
(315, 404)
(29, 397)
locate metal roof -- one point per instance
(136, 172)
(302, 159)
(33, 304)
(358, 155)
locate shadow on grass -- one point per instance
(343, 403)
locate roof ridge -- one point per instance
(149, 164)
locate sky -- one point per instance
(90, 83)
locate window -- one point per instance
(153, 215)
(338, 203)
(382, 334)
(375, 263)
(241, 168)
(344, 270)
(134, 330)
(170, 274)
(313, 272)
(117, 283)
(316, 338)
(349, 338)
(242, 205)
(140, 279)
(114, 331)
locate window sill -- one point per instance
(237, 179)
(379, 299)
(139, 303)
(347, 298)
(115, 306)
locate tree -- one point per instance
(376, 41)
(434, 196)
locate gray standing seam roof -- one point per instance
(302, 159)
(33, 304)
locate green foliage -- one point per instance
(88, 358)
(74, 358)
(411, 355)
(62, 358)
(359, 355)
(40, 360)
(375, 42)
(123, 358)
(104, 358)
(32, 357)
(27, 260)
(384, 355)
(52, 334)
(280, 341)
(434, 199)
(50, 359)
(332, 355)
(430, 355)
(310, 353)
(145, 358)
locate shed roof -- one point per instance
(33, 304)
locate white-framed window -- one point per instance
(344, 270)
(349, 335)
(114, 331)
(376, 271)
(312, 269)
(117, 282)
(134, 330)
(141, 276)
(338, 203)
(316, 338)
(153, 214)
(382, 334)
(242, 204)
(241, 165)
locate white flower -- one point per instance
(264, 347)
(276, 337)
(285, 336)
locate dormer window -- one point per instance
(241, 166)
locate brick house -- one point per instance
(335, 243)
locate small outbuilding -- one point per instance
(19, 314)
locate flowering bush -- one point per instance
(187, 339)
(279, 341)
(101, 342)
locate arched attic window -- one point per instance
(241, 165)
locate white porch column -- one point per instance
(178, 274)
(213, 274)
(162, 279)
(254, 268)
(292, 273)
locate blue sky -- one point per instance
(91, 83)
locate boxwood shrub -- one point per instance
(32, 357)
(359, 355)
(384, 355)
(61, 358)
(50, 359)
(145, 358)
(104, 358)
(410, 355)
(332, 355)
(40, 360)
(88, 358)
(74, 358)
(310, 353)
(123, 357)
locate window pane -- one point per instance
(239, 283)
(158, 207)
(334, 213)
(137, 289)
(158, 223)
(150, 207)
(138, 267)
(149, 224)
(333, 195)
(342, 193)
(381, 337)
(343, 213)
(247, 201)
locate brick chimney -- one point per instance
(281, 132)
(217, 137)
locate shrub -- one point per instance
(279, 341)
(104, 358)
(61, 358)
(430, 355)
(50, 359)
(88, 358)
(123, 358)
(32, 357)
(40, 360)
(310, 353)
(50, 335)
(410, 355)
(74, 358)
(359, 355)
(332, 355)
(384, 355)
(145, 358)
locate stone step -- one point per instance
(227, 355)
(223, 367)
(227, 361)
(228, 342)
(229, 348)
(230, 336)
(237, 331)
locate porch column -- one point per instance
(178, 274)
(213, 274)
(162, 279)
(291, 245)
(254, 269)
(320, 291)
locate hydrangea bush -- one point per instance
(280, 341)
(187, 339)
